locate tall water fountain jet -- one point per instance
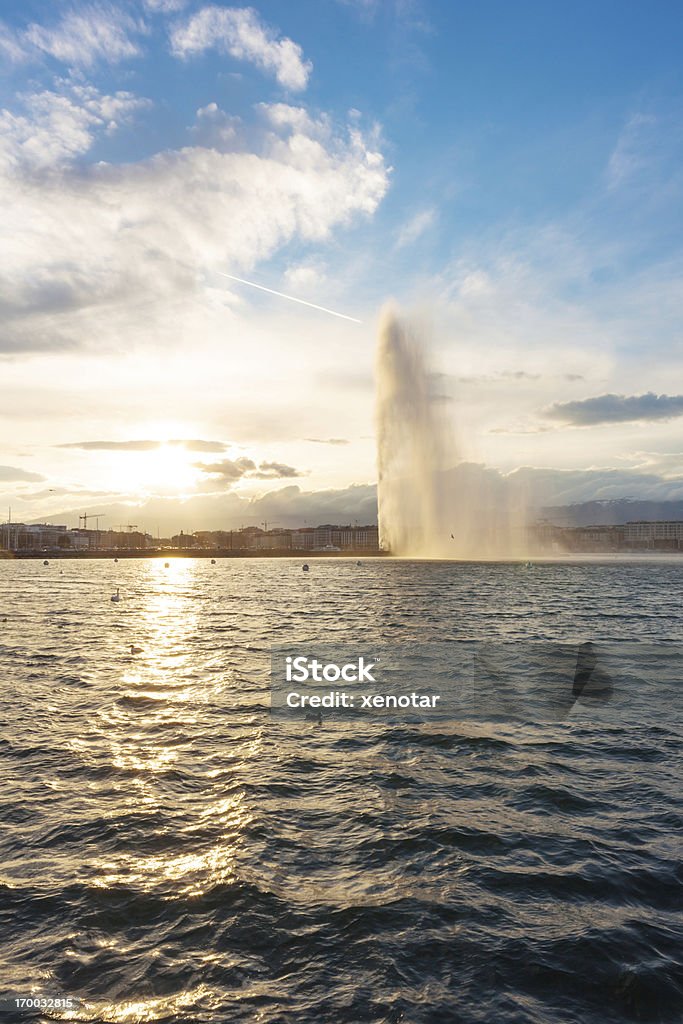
(431, 504)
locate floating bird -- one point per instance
(135, 650)
(359, 563)
(116, 597)
(116, 559)
(452, 537)
(305, 567)
(166, 565)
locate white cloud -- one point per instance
(14, 473)
(415, 227)
(570, 486)
(327, 440)
(83, 247)
(164, 6)
(667, 464)
(145, 445)
(215, 128)
(56, 127)
(240, 33)
(508, 311)
(305, 276)
(539, 300)
(11, 48)
(475, 283)
(283, 115)
(87, 34)
(632, 153)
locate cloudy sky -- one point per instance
(512, 173)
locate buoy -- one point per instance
(116, 559)
(116, 597)
(166, 565)
(213, 561)
(46, 562)
(305, 567)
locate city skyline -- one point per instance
(512, 176)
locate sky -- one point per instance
(508, 174)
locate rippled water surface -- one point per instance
(170, 853)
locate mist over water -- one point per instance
(432, 503)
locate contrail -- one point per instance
(292, 298)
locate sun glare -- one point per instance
(168, 469)
(173, 467)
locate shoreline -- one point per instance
(567, 557)
(187, 553)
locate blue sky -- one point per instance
(512, 172)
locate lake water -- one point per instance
(170, 852)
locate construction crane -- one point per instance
(92, 515)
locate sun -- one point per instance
(169, 469)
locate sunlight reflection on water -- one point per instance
(169, 853)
